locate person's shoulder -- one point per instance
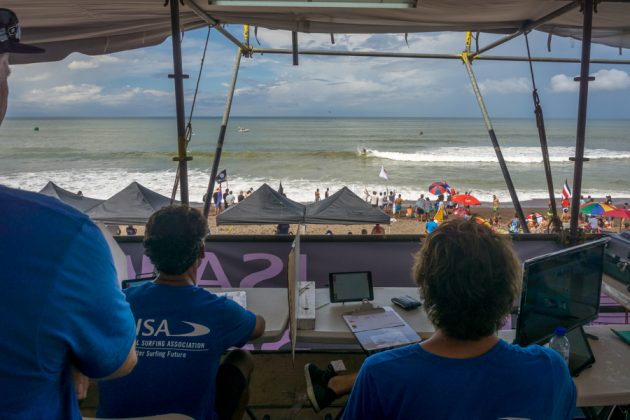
(384, 358)
(534, 353)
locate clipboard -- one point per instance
(378, 330)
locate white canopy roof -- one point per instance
(105, 26)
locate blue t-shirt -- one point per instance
(181, 334)
(431, 226)
(507, 382)
(60, 303)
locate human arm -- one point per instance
(259, 329)
(88, 314)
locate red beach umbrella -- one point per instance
(465, 199)
(624, 213)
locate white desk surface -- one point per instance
(331, 328)
(271, 303)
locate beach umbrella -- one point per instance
(538, 216)
(623, 213)
(595, 209)
(465, 199)
(439, 188)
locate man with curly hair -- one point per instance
(469, 278)
(181, 331)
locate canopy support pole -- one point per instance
(581, 119)
(495, 143)
(178, 78)
(544, 148)
(215, 24)
(224, 122)
(527, 26)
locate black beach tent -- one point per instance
(77, 201)
(268, 206)
(265, 206)
(344, 208)
(132, 205)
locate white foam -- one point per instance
(105, 183)
(487, 154)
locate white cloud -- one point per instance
(37, 77)
(505, 86)
(87, 94)
(93, 62)
(605, 80)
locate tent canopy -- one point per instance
(264, 206)
(133, 205)
(268, 206)
(344, 208)
(77, 201)
(101, 27)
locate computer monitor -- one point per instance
(560, 289)
(126, 284)
(351, 286)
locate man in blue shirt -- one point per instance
(62, 314)
(469, 278)
(182, 330)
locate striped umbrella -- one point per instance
(439, 188)
(595, 209)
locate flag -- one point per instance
(222, 176)
(383, 173)
(439, 216)
(566, 191)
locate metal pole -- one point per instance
(224, 122)
(581, 119)
(432, 56)
(528, 26)
(215, 24)
(179, 77)
(495, 143)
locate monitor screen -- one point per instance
(560, 289)
(126, 284)
(351, 287)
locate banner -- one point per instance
(231, 261)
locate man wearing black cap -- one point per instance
(62, 314)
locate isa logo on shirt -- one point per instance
(153, 328)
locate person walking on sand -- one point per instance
(495, 205)
(317, 197)
(326, 192)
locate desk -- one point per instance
(271, 303)
(330, 327)
(607, 382)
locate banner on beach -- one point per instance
(566, 191)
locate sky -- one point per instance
(135, 83)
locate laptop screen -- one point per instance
(351, 286)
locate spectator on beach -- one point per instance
(495, 205)
(467, 303)
(186, 330)
(366, 195)
(381, 201)
(230, 200)
(378, 230)
(398, 201)
(240, 197)
(565, 217)
(409, 212)
(80, 193)
(326, 193)
(282, 229)
(515, 225)
(582, 200)
(317, 197)
(430, 226)
(626, 226)
(217, 196)
(249, 192)
(63, 315)
(364, 231)
(131, 230)
(329, 232)
(374, 199)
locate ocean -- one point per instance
(102, 156)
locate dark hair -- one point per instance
(469, 278)
(172, 238)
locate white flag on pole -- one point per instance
(383, 173)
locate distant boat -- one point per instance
(243, 130)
